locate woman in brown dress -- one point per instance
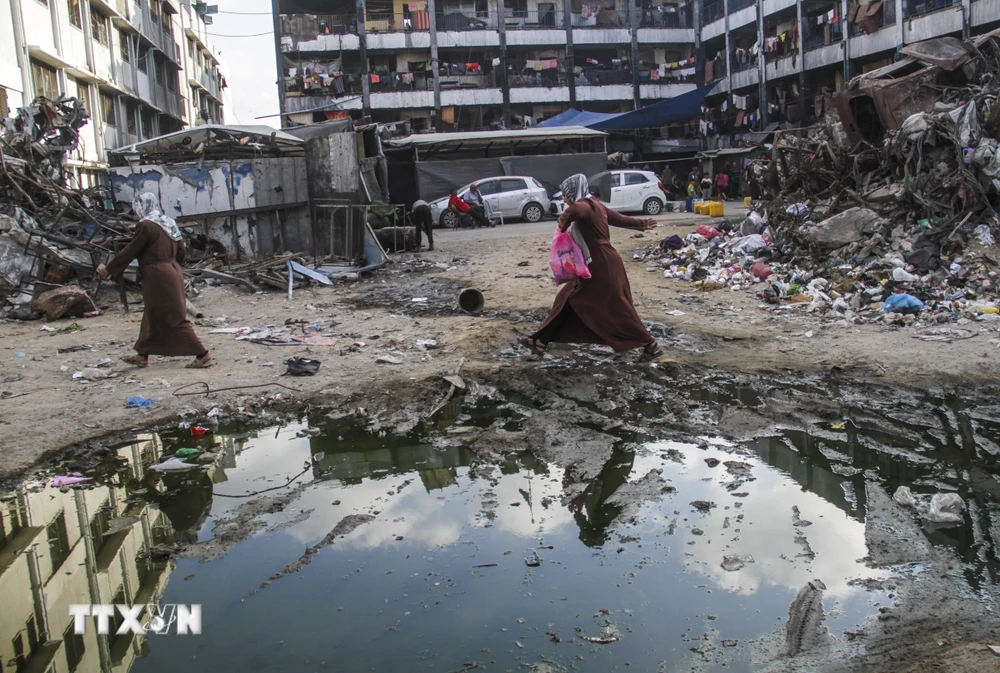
(165, 328)
(597, 310)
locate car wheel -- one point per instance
(533, 213)
(448, 219)
(653, 206)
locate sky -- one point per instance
(249, 59)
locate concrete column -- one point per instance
(570, 61)
(278, 61)
(699, 50)
(504, 83)
(21, 47)
(761, 67)
(366, 106)
(802, 56)
(432, 21)
(966, 18)
(900, 26)
(635, 15)
(848, 66)
(54, 8)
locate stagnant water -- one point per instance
(439, 580)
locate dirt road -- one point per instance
(44, 408)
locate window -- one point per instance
(488, 187)
(130, 118)
(126, 47)
(99, 26)
(512, 185)
(143, 58)
(108, 110)
(74, 648)
(519, 8)
(190, 48)
(46, 82)
(83, 93)
(616, 179)
(58, 541)
(147, 125)
(75, 13)
(635, 179)
(171, 77)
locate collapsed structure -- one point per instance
(894, 193)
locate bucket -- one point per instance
(471, 300)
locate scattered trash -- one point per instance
(939, 508)
(69, 480)
(198, 431)
(301, 367)
(137, 402)
(187, 453)
(389, 360)
(172, 464)
(533, 561)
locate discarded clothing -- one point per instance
(138, 402)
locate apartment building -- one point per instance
(142, 67)
(781, 60)
(473, 64)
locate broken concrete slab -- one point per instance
(844, 228)
(70, 300)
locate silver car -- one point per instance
(510, 196)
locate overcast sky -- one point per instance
(252, 90)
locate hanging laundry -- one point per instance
(472, 67)
(374, 78)
(496, 63)
(407, 78)
(687, 72)
(537, 65)
(725, 105)
(654, 75)
(338, 85)
(710, 71)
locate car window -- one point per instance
(512, 185)
(635, 179)
(487, 187)
(616, 179)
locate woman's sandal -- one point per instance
(200, 363)
(136, 361)
(535, 346)
(652, 353)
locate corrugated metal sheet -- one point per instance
(429, 139)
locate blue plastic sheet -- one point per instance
(670, 111)
(903, 303)
(137, 402)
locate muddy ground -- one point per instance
(44, 409)
(47, 409)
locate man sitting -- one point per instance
(463, 208)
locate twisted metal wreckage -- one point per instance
(53, 236)
(909, 163)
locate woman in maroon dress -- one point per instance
(165, 329)
(597, 310)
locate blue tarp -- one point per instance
(678, 109)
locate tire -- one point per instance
(448, 220)
(653, 206)
(533, 212)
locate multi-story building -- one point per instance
(780, 60)
(471, 64)
(142, 67)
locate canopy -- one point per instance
(678, 109)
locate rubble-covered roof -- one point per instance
(192, 137)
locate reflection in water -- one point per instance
(87, 545)
(90, 545)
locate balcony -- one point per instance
(712, 11)
(666, 16)
(984, 11)
(884, 39)
(782, 67)
(868, 24)
(915, 8)
(926, 20)
(744, 78)
(825, 55)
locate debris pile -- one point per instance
(886, 210)
(49, 232)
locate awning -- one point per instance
(468, 137)
(48, 57)
(672, 110)
(725, 152)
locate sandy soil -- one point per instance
(722, 328)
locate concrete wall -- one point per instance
(931, 25)
(883, 39)
(821, 57)
(10, 74)
(772, 6)
(985, 11)
(220, 187)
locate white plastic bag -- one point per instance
(942, 508)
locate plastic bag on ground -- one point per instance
(708, 232)
(566, 259)
(941, 508)
(902, 303)
(674, 242)
(748, 244)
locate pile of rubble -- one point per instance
(885, 211)
(50, 233)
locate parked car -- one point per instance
(631, 192)
(512, 196)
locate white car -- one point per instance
(512, 196)
(631, 192)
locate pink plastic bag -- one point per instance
(708, 232)
(566, 259)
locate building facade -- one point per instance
(471, 64)
(780, 60)
(142, 67)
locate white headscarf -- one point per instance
(575, 187)
(147, 207)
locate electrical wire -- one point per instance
(270, 32)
